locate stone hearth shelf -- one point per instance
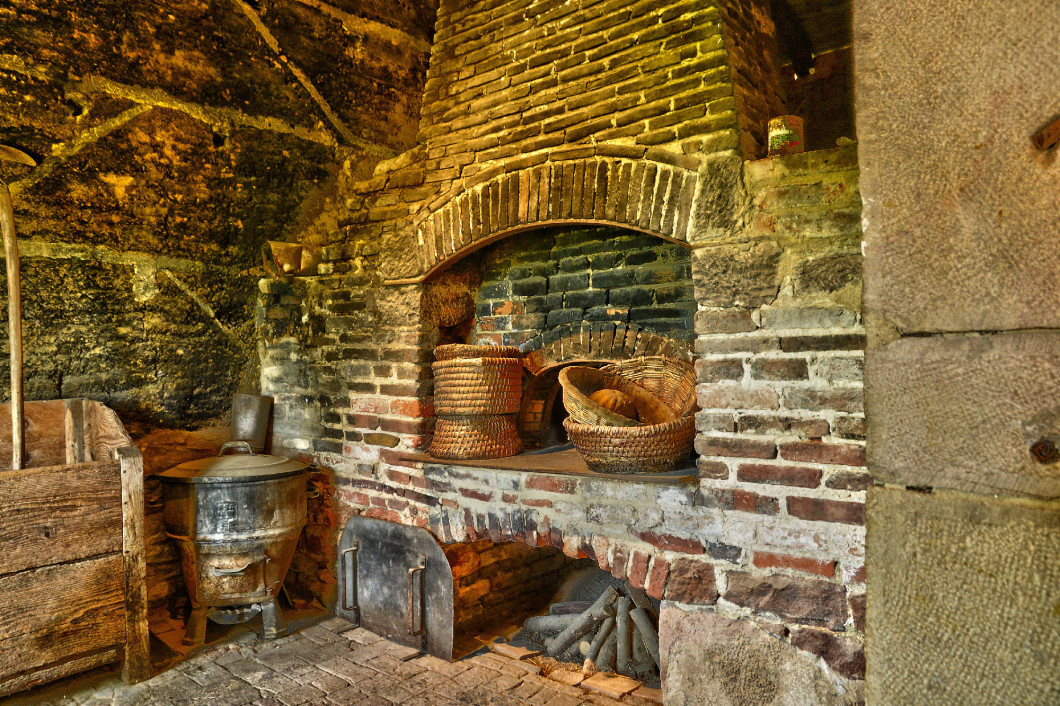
(563, 462)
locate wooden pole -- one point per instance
(14, 324)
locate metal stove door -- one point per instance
(395, 581)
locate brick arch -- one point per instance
(603, 341)
(637, 559)
(647, 190)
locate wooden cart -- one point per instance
(73, 591)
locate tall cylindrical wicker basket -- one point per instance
(477, 392)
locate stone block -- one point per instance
(711, 659)
(974, 617)
(692, 581)
(812, 317)
(969, 246)
(737, 276)
(963, 412)
(795, 599)
(846, 655)
(724, 321)
(828, 273)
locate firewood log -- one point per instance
(606, 628)
(640, 600)
(544, 628)
(570, 608)
(605, 662)
(647, 631)
(624, 646)
(584, 623)
(643, 666)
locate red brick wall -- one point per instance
(775, 519)
(773, 525)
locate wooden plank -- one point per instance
(561, 463)
(33, 677)
(60, 514)
(75, 431)
(50, 614)
(105, 434)
(137, 664)
(45, 435)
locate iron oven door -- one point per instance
(395, 581)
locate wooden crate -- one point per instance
(73, 592)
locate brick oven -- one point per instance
(589, 184)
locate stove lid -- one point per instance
(243, 465)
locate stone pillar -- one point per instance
(962, 371)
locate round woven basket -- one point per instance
(579, 382)
(484, 436)
(658, 448)
(670, 380)
(464, 386)
(463, 350)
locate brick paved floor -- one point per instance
(331, 662)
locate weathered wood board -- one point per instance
(59, 514)
(27, 680)
(137, 664)
(73, 591)
(51, 614)
(45, 440)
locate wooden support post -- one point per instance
(137, 664)
(14, 325)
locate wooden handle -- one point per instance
(14, 309)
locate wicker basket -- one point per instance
(658, 448)
(465, 386)
(579, 382)
(483, 436)
(670, 380)
(463, 350)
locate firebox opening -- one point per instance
(498, 585)
(594, 622)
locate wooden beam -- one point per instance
(137, 664)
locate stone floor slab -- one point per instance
(334, 665)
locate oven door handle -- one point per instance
(416, 581)
(349, 570)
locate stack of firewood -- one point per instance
(615, 633)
